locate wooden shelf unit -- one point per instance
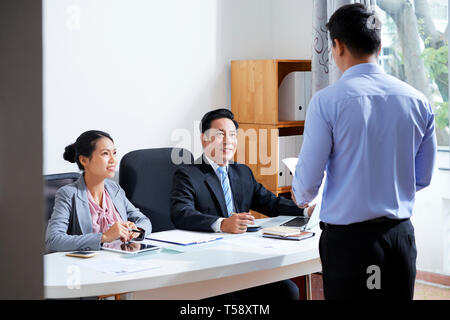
(254, 88)
(254, 102)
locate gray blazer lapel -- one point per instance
(82, 207)
(117, 199)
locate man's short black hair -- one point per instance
(357, 27)
(210, 116)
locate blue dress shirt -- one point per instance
(374, 136)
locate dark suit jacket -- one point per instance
(197, 198)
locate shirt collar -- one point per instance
(103, 207)
(214, 165)
(363, 68)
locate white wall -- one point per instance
(144, 70)
(431, 220)
(292, 29)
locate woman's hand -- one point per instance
(132, 226)
(118, 230)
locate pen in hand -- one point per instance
(134, 230)
(129, 229)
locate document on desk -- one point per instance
(291, 163)
(118, 266)
(259, 244)
(183, 237)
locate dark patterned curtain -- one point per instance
(324, 71)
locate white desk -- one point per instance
(199, 271)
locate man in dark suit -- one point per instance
(198, 199)
(215, 195)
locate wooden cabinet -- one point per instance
(254, 102)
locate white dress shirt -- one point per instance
(216, 225)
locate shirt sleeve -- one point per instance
(216, 225)
(426, 156)
(313, 158)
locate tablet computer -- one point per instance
(132, 247)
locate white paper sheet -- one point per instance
(118, 266)
(291, 164)
(184, 237)
(252, 244)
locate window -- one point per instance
(415, 50)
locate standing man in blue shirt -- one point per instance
(374, 136)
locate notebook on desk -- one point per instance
(286, 233)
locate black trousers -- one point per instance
(370, 260)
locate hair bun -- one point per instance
(69, 153)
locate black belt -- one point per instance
(368, 223)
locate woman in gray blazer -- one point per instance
(93, 210)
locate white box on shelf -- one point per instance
(291, 97)
(281, 166)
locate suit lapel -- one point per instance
(236, 187)
(214, 184)
(82, 207)
(117, 201)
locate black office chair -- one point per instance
(146, 176)
(52, 182)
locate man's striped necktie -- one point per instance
(226, 189)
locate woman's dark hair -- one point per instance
(205, 123)
(84, 146)
(357, 27)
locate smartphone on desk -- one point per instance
(252, 228)
(81, 254)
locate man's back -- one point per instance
(372, 129)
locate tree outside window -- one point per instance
(415, 50)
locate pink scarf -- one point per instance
(104, 216)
